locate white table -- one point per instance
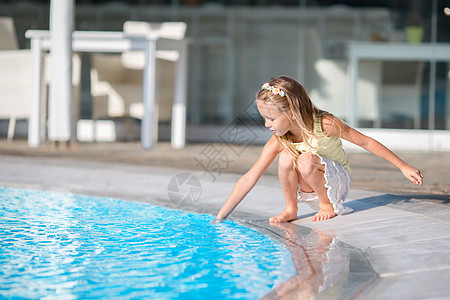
(117, 42)
(394, 52)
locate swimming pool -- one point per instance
(70, 246)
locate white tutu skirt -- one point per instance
(337, 182)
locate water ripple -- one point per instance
(68, 246)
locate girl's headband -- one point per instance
(274, 90)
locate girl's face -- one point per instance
(277, 122)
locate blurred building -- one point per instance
(239, 44)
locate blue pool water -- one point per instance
(67, 246)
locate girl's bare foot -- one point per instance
(285, 216)
(326, 211)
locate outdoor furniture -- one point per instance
(116, 79)
(15, 77)
(113, 42)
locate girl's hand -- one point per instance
(215, 221)
(413, 174)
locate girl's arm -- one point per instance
(249, 179)
(372, 145)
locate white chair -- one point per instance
(15, 77)
(113, 87)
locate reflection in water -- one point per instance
(321, 261)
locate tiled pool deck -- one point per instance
(403, 230)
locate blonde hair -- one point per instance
(295, 103)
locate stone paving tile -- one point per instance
(362, 215)
(392, 231)
(415, 256)
(380, 226)
(428, 207)
(442, 215)
(433, 284)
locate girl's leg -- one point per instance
(313, 173)
(289, 179)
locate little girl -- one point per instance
(312, 165)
